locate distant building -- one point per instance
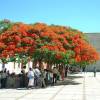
(94, 39)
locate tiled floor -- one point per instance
(79, 87)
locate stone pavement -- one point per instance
(82, 86)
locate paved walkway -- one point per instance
(76, 87)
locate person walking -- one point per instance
(94, 71)
(84, 69)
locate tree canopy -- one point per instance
(47, 43)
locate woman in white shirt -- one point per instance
(31, 78)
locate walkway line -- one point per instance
(84, 89)
(56, 93)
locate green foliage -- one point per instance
(5, 25)
(4, 60)
(68, 57)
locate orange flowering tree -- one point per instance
(46, 43)
(58, 44)
(17, 42)
(84, 52)
(49, 46)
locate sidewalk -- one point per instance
(76, 87)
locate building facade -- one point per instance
(94, 39)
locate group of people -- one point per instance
(35, 77)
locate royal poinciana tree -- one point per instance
(17, 42)
(45, 43)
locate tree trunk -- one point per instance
(29, 61)
(22, 64)
(49, 65)
(14, 64)
(18, 64)
(40, 64)
(34, 63)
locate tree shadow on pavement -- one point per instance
(70, 80)
(74, 77)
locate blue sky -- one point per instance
(83, 15)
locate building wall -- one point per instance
(94, 39)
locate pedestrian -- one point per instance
(46, 76)
(37, 74)
(31, 78)
(83, 68)
(66, 71)
(94, 70)
(55, 72)
(22, 79)
(0, 78)
(63, 73)
(11, 83)
(51, 77)
(42, 76)
(3, 79)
